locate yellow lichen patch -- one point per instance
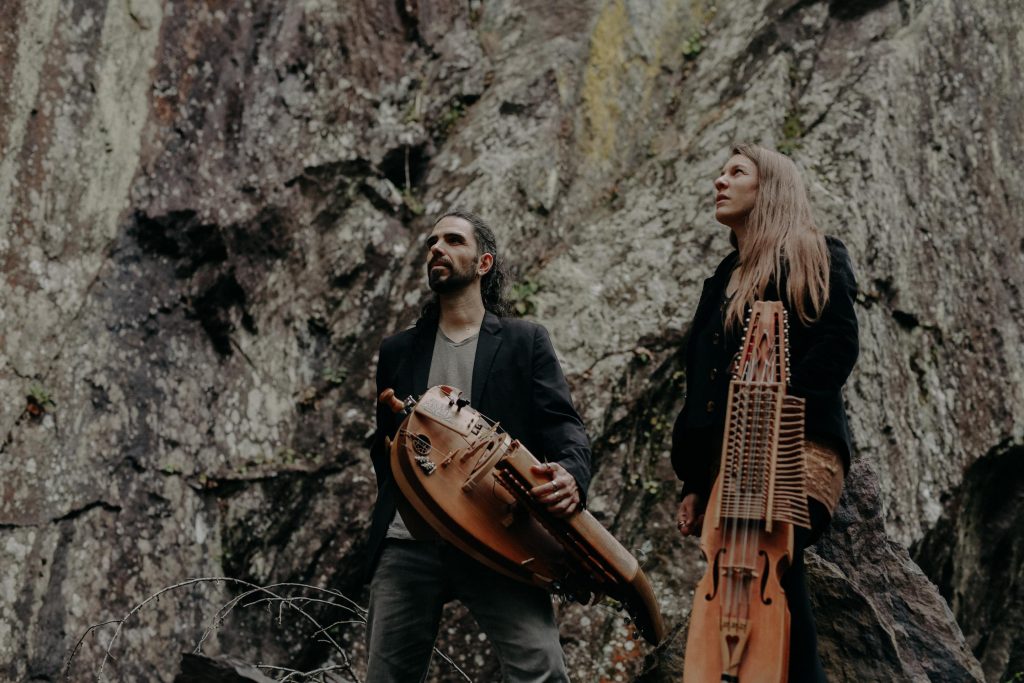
(620, 75)
(601, 82)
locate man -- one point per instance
(509, 369)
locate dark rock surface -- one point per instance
(202, 669)
(975, 553)
(210, 214)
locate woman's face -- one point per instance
(735, 191)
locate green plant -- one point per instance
(657, 424)
(336, 376)
(792, 131)
(412, 202)
(521, 296)
(450, 118)
(411, 113)
(39, 400)
(692, 46)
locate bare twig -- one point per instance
(231, 604)
(453, 665)
(295, 672)
(270, 596)
(81, 640)
(349, 606)
(151, 598)
(339, 623)
(323, 670)
(304, 600)
(290, 602)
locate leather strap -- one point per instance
(824, 474)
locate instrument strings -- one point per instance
(736, 473)
(749, 440)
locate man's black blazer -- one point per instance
(517, 381)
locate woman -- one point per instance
(780, 255)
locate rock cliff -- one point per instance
(211, 213)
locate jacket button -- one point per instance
(715, 338)
(713, 373)
(711, 406)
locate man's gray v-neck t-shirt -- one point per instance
(451, 364)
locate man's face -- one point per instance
(452, 261)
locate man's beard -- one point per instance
(456, 280)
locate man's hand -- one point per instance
(561, 495)
(688, 520)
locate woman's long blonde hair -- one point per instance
(780, 238)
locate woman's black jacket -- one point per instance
(822, 356)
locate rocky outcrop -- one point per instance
(974, 554)
(211, 213)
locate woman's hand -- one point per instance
(561, 495)
(688, 520)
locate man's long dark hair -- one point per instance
(494, 283)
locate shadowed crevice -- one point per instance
(975, 555)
